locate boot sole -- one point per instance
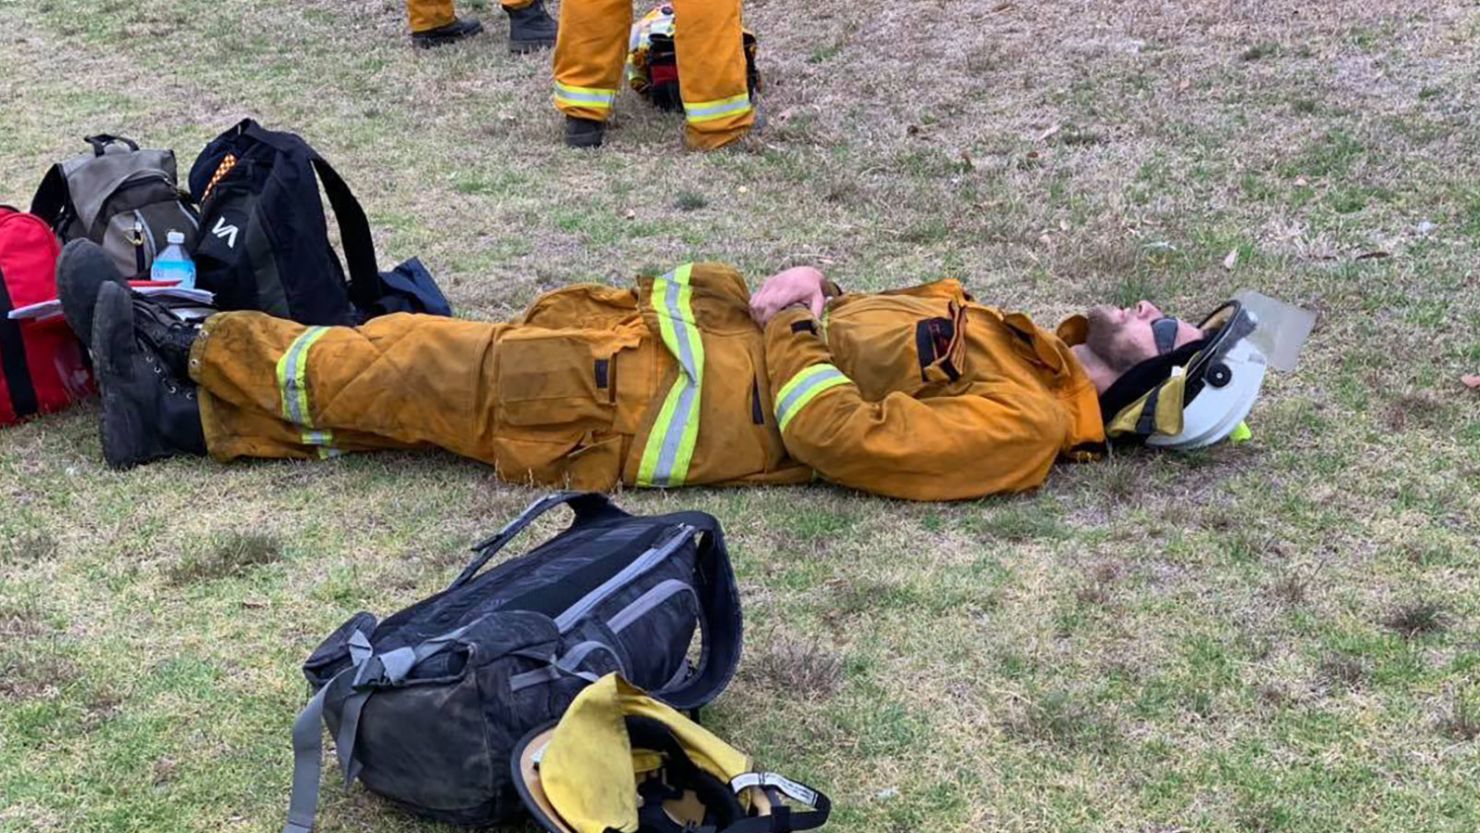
(78, 292)
(113, 333)
(524, 47)
(442, 40)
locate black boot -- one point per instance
(148, 413)
(584, 133)
(82, 270)
(531, 28)
(170, 336)
(453, 32)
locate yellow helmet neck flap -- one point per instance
(620, 760)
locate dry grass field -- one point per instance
(1278, 636)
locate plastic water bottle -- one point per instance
(173, 264)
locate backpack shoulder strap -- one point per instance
(354, 228)
(13, 359)
(720, 619)
(365, 286)
(52, 197)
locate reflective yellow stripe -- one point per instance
(803, 388)
(702, 111)
(292, 371)
(585, 96)
(670, 443)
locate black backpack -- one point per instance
(264, 240)
(122, 198)
(427, 706)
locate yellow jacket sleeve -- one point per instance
(996, 437)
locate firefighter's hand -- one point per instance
(797, 285)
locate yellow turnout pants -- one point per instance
(591, 51)
(535, 403)
(431, 14)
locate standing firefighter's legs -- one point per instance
(711, 72)
(590, 53)
(433, 23)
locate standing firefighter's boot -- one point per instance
(453, 32)
(82, 270)
(531, 28)
(148, 413)
(584, 133)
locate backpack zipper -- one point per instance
(639, 566)
(137, 238)
(148, 237)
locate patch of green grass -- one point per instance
(1332, 155)
(690, 201)
(1260, 51)
(227, 555)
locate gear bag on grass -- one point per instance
(122, 198)
(426, 706)
(652, 60)
(264, 241)
(43, 367)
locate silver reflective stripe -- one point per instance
(585, 98)
(797, 394)
(640, 565)
(647, 601)
(684, 412)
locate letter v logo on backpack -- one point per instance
(225, 232)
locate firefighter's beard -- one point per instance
(1108, 339)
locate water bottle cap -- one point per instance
(175, 237)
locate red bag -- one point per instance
(43, 367)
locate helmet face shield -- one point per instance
(1281, 331)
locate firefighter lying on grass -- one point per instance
(921, 393)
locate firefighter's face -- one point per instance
(1126, 336)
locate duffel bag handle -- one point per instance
(588, 506)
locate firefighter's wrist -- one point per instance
(796, 319)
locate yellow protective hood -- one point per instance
(1159, 411)
(588, 770)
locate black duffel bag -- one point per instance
(427, 706)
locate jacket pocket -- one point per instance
(940, 347)
(557, 380)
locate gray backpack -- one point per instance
(427, 705)
(124, 199)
